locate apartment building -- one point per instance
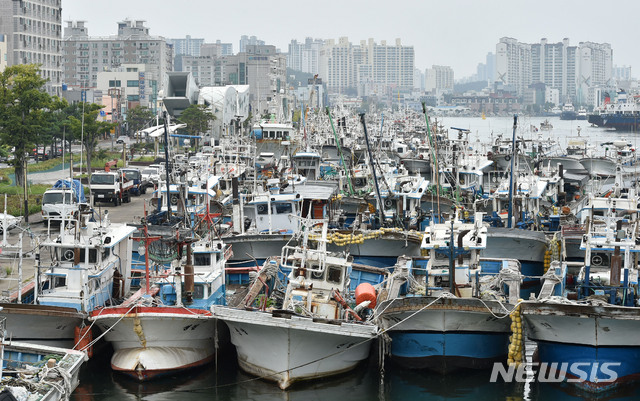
(33, 31)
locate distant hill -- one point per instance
(469, 86)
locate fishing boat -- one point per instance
(445, 311)
(88, 260)
(167, 326)
(37, 372)
(583, 327)
(311, 332)
(623, 114)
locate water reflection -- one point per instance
(228, 383)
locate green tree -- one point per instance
(24, 106)
(88, 130)
(198, 118)
(138, 118)
(53, 131)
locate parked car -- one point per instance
(8, 221)
(122, 139)
(150, 175)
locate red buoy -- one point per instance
(366, 292)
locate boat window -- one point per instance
(278, 134)
(283, 208)
(201, 259)
(198, 291)
(317, 275)
(334, 275)
(262, 209)
(69, 253)
(59, 282)
(93, 255)
(106, 253)
(441, 255)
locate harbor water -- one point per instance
(223, 380)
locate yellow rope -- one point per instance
(516, 346)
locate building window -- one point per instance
(114, 83)
(133, 98)
(133, 84)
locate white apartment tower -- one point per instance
(573, 70)
(304, 56)
(188, 46)
(337, 66)
(593, 69)
(345, 67)
(85, 56)
(439, 79)
(513, 64)
(33, 33)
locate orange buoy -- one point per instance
(82, 338)
(366, 292)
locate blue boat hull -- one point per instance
(445, 334)
(604, 368)
(448, 351)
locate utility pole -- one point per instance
(24, 174)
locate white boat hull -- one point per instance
(292, 348)
(41, 324)
(153, 341)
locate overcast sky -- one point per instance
(457, 33)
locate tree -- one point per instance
(198, 118)
(88, 130)
(24, 106)
(138, 118)
(52, 132)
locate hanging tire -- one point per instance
(115, 200)
(174, 199)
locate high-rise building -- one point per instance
(203, 69)
(84, 56)
(188, 46)
(513, 64)
(418, 79)
(249, 40)
(593, 69)
(217, 49)
(573, 70)
(304, 56)
(337, 66)
(439, 79)
(33, 32)
(621, 72)
(346, 67)
(264, 70)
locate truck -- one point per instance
(139, 184)
(62, 200)
(111, 186)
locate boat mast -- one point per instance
(166, 159)
(513, 161)
(344, 166)
(373, 169)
